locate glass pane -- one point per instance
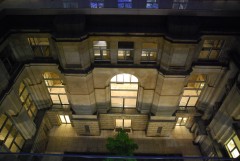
(124, 86)
(62, 118)
(208, 43)
(231, 145)
(184, 121)
(14, 148)
(204, 54)
(127, 123)
(134, 79)
(124, 93)
(117, 102)
(114, 79)
(3, 118)
(235, 153)
(121, 55)
(67, 119)
(192, 101)
(30, 114)
(55, 99)
(214, 54)
(57, 90)
(153, 56)
(126, 77)
(144, 55)
(120, 78)
(130, 103)
(119, 123)
(190, 93)
(33, 109)
(5, 130)
(19, 140)
(183, 101)
(64, 99)
(10, 137)
(179, 121)
(106, 54)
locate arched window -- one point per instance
(124, 91)
(55, 88)
(27, 101)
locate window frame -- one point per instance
(125, 3)
(211, 49)
(179, 4)
(152, 5)
(98, 3)
(66, 121)
(236, 147)
(101, 50)
(39, 51)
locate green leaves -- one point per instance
(121, 145)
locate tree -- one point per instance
(121, 145)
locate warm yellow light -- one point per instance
(67, 119)
(235, 153)
(62, 118)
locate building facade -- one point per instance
(141, 71)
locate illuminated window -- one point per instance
(65, 119)
(179, 4)
(181, 121)
(192, 91)
(125, 124)
(152, 4)
(27, 101)
(125, 51)
(124, 3)
(55, 88)
(9, 134)
(149, 52)
(40, 46)
(233, 146)
(97, 3)
(211, 49)
(100, 50)
(124, 89)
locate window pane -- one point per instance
(124, 93)
(190, 93)
(67, 119)
(117, 102)
(120, 78)
(130, 102)
(3, 118)
(179, 121)
(192, 101)
(10, 137)
(57, 90)
(124, 86)
(62, 118)
(183, 101)
(231, 145)
(55, 99)
(184, 121)
(14, 148)
(214, 54)
(235, 153)
(119, 123)
(64, 99)
(204, 54)
(5, 130)
(19, 140)
(127, 123)
(126, 77)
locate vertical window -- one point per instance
(152, 4)
(9, 134)
(181, 121)
(27, 101)
(233, 146)
(125, 124)
(87, 129)
(192, 91)
(56, 89)
(101, 51)
(8, 60)
(40, 46)
(149, 52)
(179, 4)
(124, 3)
(65, 119)
(97, 3)
(125, 51)
(211, 49)
(70, 4)
(124, 89)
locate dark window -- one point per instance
(152, 4)
(70, 4)
(159, 130)
(179, 4)
(8, 59)
(87, 129)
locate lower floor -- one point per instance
(65, 139)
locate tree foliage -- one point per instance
(121, 145)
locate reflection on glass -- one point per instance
(231, 145)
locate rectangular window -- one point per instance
(101, 51)
(97, 4)
(211, 49)
(65, 119)
(192, 91)
(124, 3)
(125, 51)
(179, 4)
(149, 52)
(233, 146)
(8, 60)
(70, 4)
(125, 124)
(9, 134)
(181, 121)
(40, 46)
(152, 4)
